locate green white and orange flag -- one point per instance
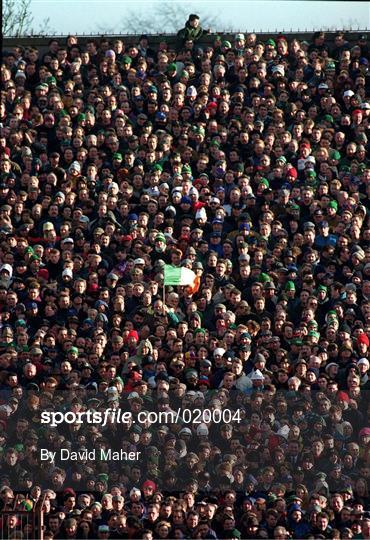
(178, 276)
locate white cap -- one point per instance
(185, 431)
(330, 365)
(363, 362)
(113, 185)
(7, 267)
(202, 429)
(67, 272)
(201, 214)
(219, 351)
(151, 382)
(133, 395)
(348, 93)
(284, 431)
(75, 166)
(278, 69)
(191, 91)
(139, 261)
(257, 375)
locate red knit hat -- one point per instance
(292, 171)
(363, 338)
(149, 483)
(133, 334)
(343, 396)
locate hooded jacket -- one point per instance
(299, 528)
(138, 357)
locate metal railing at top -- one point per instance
(41, 41)
(22, 524)
(225, 32)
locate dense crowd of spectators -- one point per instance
(247, 162)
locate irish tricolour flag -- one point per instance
(178, 276)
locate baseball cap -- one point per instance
(185, 431)
(133, 395)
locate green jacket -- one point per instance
(189, 33)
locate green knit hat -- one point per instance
(290, 286)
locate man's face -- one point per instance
(226, 433)
(71, 530)
(53, 524)
(337, 503)
(271, 521)
(57, 479)
(11, 458)
(322, 523)
(192, 521)
(21, 426)
(136, 509)
(70, 502)
(152, 514)
(293, 448)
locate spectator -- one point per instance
(243, 164)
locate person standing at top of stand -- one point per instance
(192, 30)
